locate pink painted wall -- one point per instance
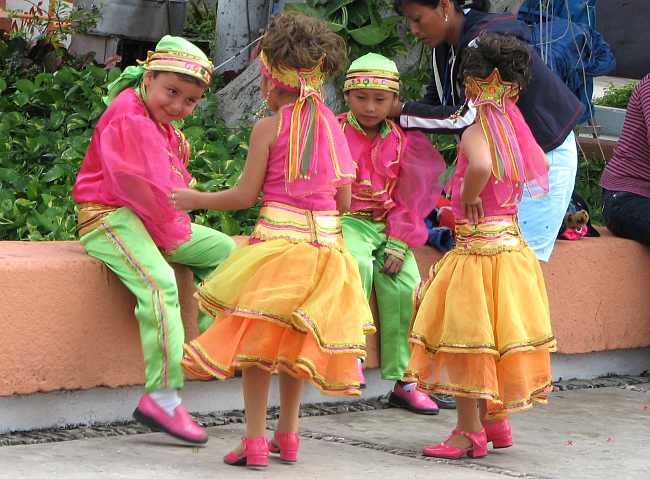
(67, 322)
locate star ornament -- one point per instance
(492, 90)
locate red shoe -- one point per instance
(255, 453)
(407, 396)
(180, 425)
(287, 444)
(442, 450)
(499, 433)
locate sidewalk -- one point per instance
(586, 433)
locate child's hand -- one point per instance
(473, 210)
(185, 199)
(392, 264)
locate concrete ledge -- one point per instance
(69, 322)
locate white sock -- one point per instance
(168, 399)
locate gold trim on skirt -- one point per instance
(282, 221)
(493, 235)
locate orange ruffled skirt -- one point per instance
(289, 301)
(482, 329)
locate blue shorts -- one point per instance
(540, 219)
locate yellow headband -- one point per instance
(179, 62)
(373, 79)
(293, 79)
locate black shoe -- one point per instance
(444, 401)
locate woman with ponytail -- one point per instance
(547, 105)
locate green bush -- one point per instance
(45, 127)
(46, 123)
(617, 97)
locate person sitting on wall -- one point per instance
(626, 179)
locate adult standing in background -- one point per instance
(548, 106)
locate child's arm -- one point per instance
(477, 174)
(343, 198)
(248, 189)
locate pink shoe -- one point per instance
(287, 444)
(407, 396)
(499, 433)
(442, 450)
(255, 454)
(180, 425)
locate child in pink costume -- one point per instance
(136, 157)
(395, 189)
(482, 331)
(290, 301)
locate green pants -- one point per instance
(124, 245)
(365, 240)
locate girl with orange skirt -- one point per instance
(290, 301)
(482, 331)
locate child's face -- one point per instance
(369, 106)
(170, 97)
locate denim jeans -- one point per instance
(627, 215)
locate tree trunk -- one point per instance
(239, 22)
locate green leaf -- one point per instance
(337, 5)
(65, 76)
(42, 79)
(3, 85)
(25, 86)
(56, 172)
(56, 120)
(306, 9)
(21, 99)
(24, 203)
(370, 35)
(76, 121)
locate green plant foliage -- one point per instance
(45, 127)
(200, 22)
(363, 23)
(587, 185)
(616, 97)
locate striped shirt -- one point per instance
(629, 168)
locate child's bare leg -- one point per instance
(468, 421)
(255, 382)
(290, 396)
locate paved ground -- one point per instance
(587, 433)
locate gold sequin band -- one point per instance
(282, 221)
(179, 62)
(91, 215)
(371, 79)
(493, 235)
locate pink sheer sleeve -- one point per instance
(140, 172)
(417, 191)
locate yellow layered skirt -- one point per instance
(291, 300)
(482, 326)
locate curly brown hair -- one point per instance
(297, 41)
(503, 51)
